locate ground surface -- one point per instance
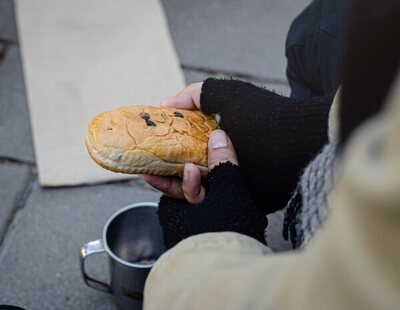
(41, 229)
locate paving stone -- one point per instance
(192, 76)
(8, 29)
(15, 131)
(39, 263)
(13, 180)
(233, 35)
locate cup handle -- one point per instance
(90, 248)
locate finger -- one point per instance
(170, 186)
(188, 98)
(191, 184)
(220, 149)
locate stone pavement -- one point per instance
(41, 229)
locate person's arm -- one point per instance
(352, 262)
(274, 136)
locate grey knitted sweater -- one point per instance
(308, 207)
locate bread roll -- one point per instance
(149, 140)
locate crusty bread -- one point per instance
(149, 140)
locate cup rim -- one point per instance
(107, 224)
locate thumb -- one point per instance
(220, 149)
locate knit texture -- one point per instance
(226, 207)
(274, 136)
(308, 207)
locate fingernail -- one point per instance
(218, 139)
(186, 172)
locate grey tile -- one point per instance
(192, 76)
(233, 35)
(15, 131)
(13, 180)
(39, 263)
(8, 29)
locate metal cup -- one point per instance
(132, 240)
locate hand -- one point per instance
(188, 98)
(190, 188)
(228, 206)
(220, 150)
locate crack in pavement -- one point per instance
(234, 74)
(5, 160)
(5, 46)
(19, 204)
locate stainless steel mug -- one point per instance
(133, 240)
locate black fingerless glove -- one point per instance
(274, 136)
(226, 207)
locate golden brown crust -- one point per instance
(151, 140)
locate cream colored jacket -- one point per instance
(352, 263)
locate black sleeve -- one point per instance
(226, 207)
(274, 136)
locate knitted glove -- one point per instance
(226, 207)
(274, 136)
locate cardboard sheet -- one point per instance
(83, 57)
